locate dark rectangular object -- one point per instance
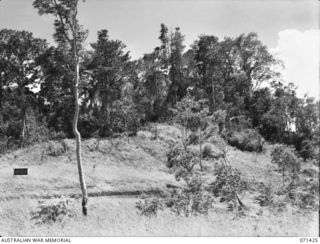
(20, 171)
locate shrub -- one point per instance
(219, 116)
(193, 139)
(187, 203)
(246, 140)
(53, 212)
(287, 161)
(307, 149)
(228, 184)
(212, 131)
(310, 172)
(312, 186)
(57, 136)
(306, 200)
(193, 199)
(305, 197)
(56, 149)
(265, 198)
(181, 160)
(149, 206)
(207, 152)
(211, 151)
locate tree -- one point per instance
(177, 88)
(56, 97)
(155, 85)
(192, 115)
(19, 51)
(307, 117)
(109, 69)
(164, 49)
(254, 59)
(69, 32)
(208, 61)
(277, 122)
(286, 160)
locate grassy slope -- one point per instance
(122, 167)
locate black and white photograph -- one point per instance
(159, 118)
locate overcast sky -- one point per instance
(290, 28)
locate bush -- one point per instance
(193, 199)
(192, 139)
(187, 203)
(300, 196)
(228, 184)
(57, 136)
(265, 198)
(246, 140)
(207, 152)
(56, 149)
(307, 149)
(53, 212)
(181, 160)
(306, 200)
(287, 161)
(149, 206)
(219, 116)
(211, 151)
(310, 172)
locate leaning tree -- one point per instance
(68, 32)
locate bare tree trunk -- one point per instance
(23, 108)
(108, 108)
(78, 138)
(155, 132)
(213, 99)
(1, 98)
(200, 145)
(23, 128)
(127, 129)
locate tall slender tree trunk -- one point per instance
(23, 108)
(213, 98)
(200, 145)
(23, 128)
(1, 98)
(108, 119)
(156, 132)
(78, 138)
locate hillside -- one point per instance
(118, 171)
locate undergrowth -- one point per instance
(50, 212)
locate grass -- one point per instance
(118, 217)
(121, 168)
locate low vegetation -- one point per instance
(56, 211)
(246, 140)
(119, 167)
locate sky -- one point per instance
(290, 28)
